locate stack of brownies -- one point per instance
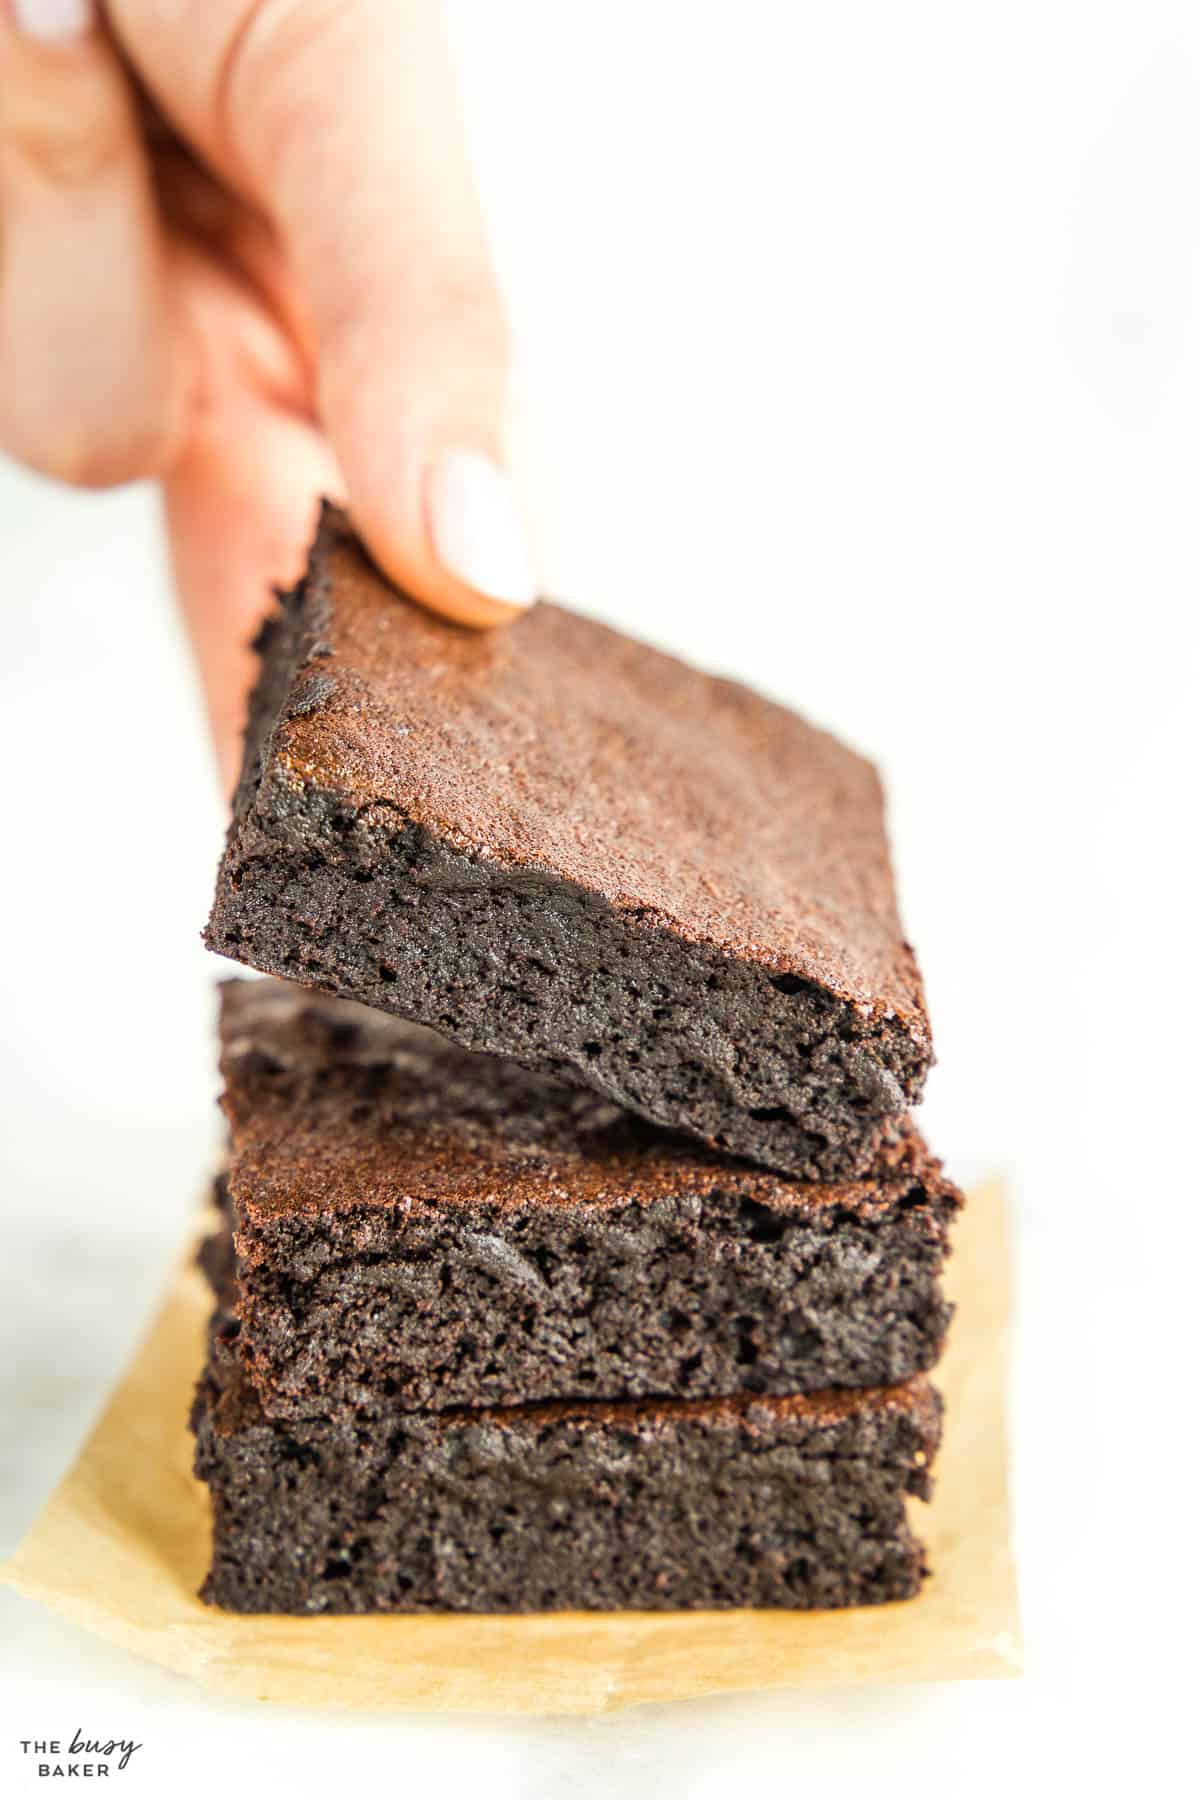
(618, 1287)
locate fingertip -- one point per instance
(422, 579)
(467, 608)
(459, 547)
(475, 529)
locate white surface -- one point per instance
(861, 352)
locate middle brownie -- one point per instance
(417, 1227)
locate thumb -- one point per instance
(342, 121)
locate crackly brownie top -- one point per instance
(558, 748)
(334, 1105)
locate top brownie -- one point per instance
(553, 843)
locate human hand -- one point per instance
(243, 253)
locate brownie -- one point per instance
(419, 1227)
(556, 844)
(656, 1504)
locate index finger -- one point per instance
(341, 121)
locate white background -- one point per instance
(861, 360)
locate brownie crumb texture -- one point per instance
(555, 844)
(576, 1247)
(654, 1506)
(419, 1226)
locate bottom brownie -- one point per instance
(650, 1504)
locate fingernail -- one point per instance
(54, 21)
(476, 529)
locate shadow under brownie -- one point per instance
(418, 1227)
(557, 844)
(654, 1505)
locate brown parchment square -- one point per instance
(122, 1545)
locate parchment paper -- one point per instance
(122, 1546)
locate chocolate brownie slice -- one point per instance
(553, 843)
(420, 1227)
(661, 1504)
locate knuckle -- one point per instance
(264, 87)
(69, 140)
(462, 303)
(436, 310)
(107, 464)
(98, 461)
(443, 319)
(434, 371)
